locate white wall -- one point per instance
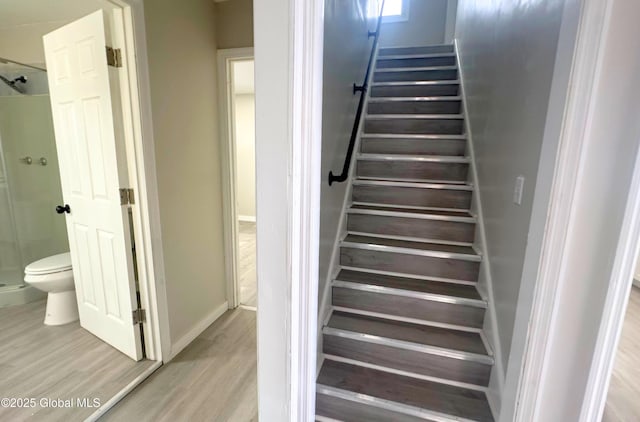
(273, 70)
(508, 51)
(346, 52)
(245, 154)
(22, 41)
(426, 25)
(185, 127)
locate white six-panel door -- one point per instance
(93, 168)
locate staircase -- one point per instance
(404, 340)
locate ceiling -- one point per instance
(26, 12)
(242, 77)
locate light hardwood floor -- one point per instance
(213, 379)
(623, 401)
(247, 264)
(63, 362)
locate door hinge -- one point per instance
(114, 57)
(139, 316)
(126, 196)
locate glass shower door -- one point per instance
(10, 259)
(30, 186)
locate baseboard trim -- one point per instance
(200, 326)
(247, 218)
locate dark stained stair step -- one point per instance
(332, 408)
(414, 105)
(409, 89)
(415, 60)
(438, 124)
(416, 258)
(414, 167)
(429, 49)
(390, 223)
(411, 348)
(432, 398)
(412, 194)
(447, 145)
(416, 74)
(466, 341)
(446, 292)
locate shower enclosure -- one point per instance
(30, 187)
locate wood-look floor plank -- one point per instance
(247, 263)
(213, 379)
(51, 362)
(622, 400)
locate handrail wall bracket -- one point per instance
(362, 89)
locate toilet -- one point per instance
(54, 276)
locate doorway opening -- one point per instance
(237, 111)
(244, 141)
(77, 299)
(624, 385)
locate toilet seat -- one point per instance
(50, 265)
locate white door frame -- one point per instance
(128, 22)
(226, 108)
(289, 46)
(534, 368)
(288, 73)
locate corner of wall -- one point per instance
(180, 344)
(485, 284)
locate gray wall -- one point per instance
(426, 25)
(234, 23)
(346, 51)
(508, 51)
(185, 131)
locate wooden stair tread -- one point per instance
(340, 410)
(415, 333)
(428, 395)
(412, 284)
(424, 49)
(445, 213)
(437, 247)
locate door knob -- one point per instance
(61, 210)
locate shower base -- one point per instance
(19, 295)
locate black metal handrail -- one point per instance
(362, 89)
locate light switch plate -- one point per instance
(517, 192)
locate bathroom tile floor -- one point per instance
(63, 362)
(212, 379)
(247, 263)
(622, 401)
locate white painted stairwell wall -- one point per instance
(346, 52)
(507, 51)
(427, 24)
